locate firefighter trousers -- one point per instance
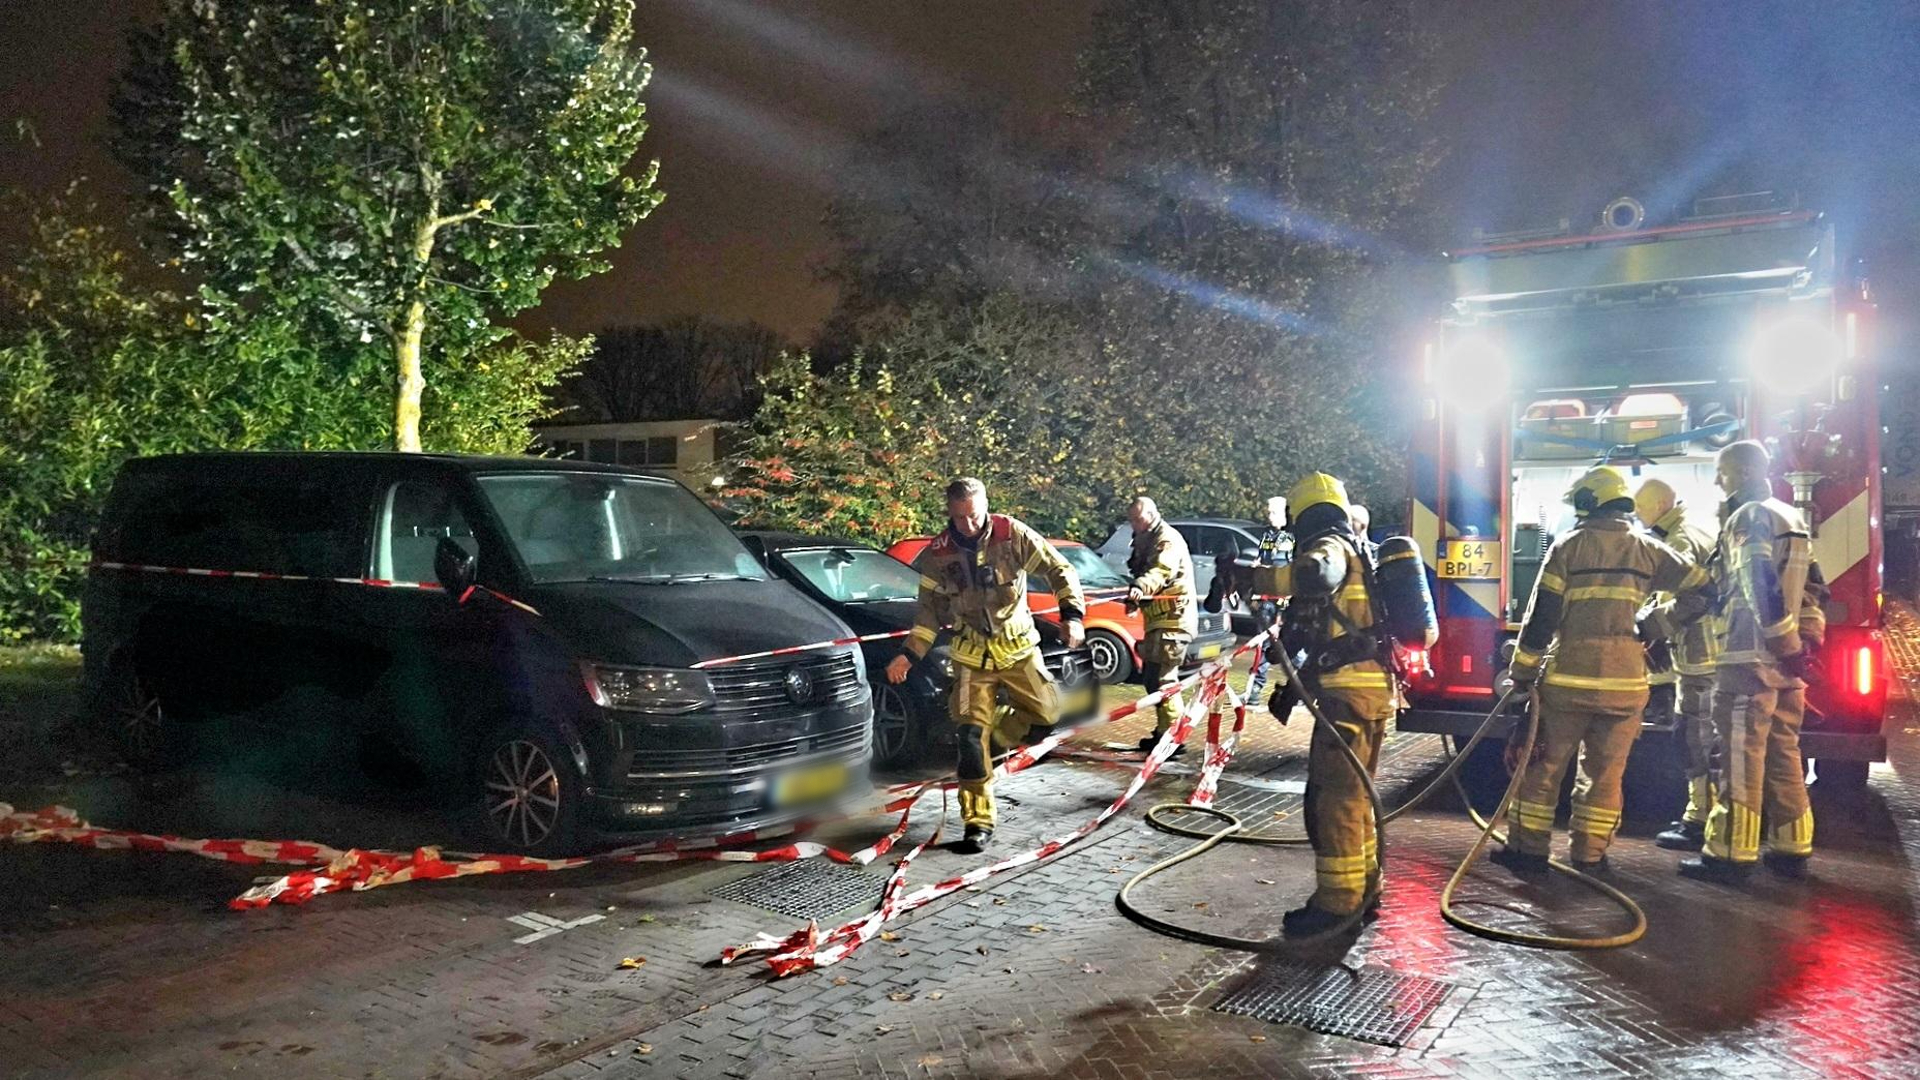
(1757, 713)
(1346, 858)
(1602, 739)
(1161, 655)
(1693, 712)
(1032, 698)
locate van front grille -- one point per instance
(751, 757)
(834, 679)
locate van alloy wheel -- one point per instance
(892, 725)
(140, 722)
(523, 793)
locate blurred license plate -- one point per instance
(809, 784)
(1208, 652)
(1079, 702)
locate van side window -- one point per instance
(271, 526)
(414, 516)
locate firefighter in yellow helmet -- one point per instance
(973, 577)
(1329, 625)
(1691, 649)
(1578, 643)
(1162, 571)
(1768, 623)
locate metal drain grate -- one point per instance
(1371, 1004)
(807, 889)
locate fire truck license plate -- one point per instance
(1469, 559)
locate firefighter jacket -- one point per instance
(1330, 614)
(1693, 643)
(1764, 561)
(979, 587)
(1163, 571)
(1595, 581)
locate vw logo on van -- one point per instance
(799, 684)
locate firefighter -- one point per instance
(972, 576)
(1593, 686)
(1766, 627)
(1276, 550)
(1691, 650)
(1162, 589)
(1330, 624)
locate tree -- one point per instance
(1216, 234)
(1278, 151)
(395, 177)
(98, 365)
(998, 389)
(679, 369)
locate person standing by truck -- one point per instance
(1579, 645)
(1690, 647)
(973, 577)
(1767, 630)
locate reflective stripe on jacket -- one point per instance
(981, 591)
(1163, 569)
(1596, 578)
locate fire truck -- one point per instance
(1650, 348)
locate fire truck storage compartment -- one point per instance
(1543, 469)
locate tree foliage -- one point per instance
(98, 365)
(1202, 263)
(678, 369)
(396, 177)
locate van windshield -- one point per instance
(596, 527)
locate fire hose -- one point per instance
(1234, 832)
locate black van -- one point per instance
(579, 650)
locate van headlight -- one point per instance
(647, 689)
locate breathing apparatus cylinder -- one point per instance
(1406, 603)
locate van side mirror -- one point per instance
(454, 567)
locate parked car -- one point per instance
(1214, 542)
(875, 594)
(1114, 633)
(543, 635)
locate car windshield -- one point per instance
(1093, 572)
(599, 527)
(852, 575)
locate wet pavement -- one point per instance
(125, 963)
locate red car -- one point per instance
(1113, 633)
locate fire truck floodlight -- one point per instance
(1472, 372)
(1795, 355)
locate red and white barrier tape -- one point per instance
(358, 869)
(265, 575)
(807, 948)
(790, 650)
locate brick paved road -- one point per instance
(120, 963)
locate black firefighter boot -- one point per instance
(1718, 871)
(1520, 862)
(1682, 836)
(1311, 921)
(975, 841)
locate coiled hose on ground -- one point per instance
(1234, 832)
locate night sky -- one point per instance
(1552, 109)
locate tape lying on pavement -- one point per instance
(808, 948)
(331, 869)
